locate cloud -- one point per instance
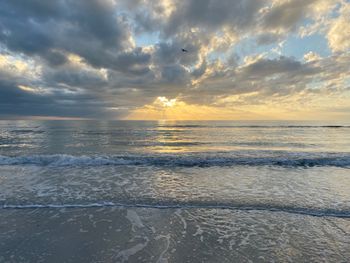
(18, 100)
(261, 80)
(339, 30)
(311, 56)
(212, 14)
(90, 29)
(108, 58)
(285, 15)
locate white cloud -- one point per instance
(311, 56)
(339, 31)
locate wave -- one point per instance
(316, 212)
(25, 131)
(185, 160)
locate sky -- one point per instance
(122, 59)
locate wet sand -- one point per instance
(170, 235)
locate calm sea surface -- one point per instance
(128, 191)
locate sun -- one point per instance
(163, 108)
(165, 102)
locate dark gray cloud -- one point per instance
(74, 77)
(90, 29)
(55, 58)
(268, 38)
(17, 102)
(287, 14)
(213, 15)
(263, 68)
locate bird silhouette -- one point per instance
(184, 50)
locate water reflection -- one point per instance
(119, 137)
(170, 139)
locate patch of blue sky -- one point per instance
(147, 39)
(296, 46)
(347, 82)
(212, 56)
(293, 46)
(315, 84)
(249, 47)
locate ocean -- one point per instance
(174, 191)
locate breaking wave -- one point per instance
(185, 160)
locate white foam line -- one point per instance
(291, 210)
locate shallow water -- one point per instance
(179, 235)
(90, 191)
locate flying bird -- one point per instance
(184, 50)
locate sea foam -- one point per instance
(317, 212)
(186, 160)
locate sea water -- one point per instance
(166, 191)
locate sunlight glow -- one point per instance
(233, 108)
(28, 89)
(165, 102)
(174, 109)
